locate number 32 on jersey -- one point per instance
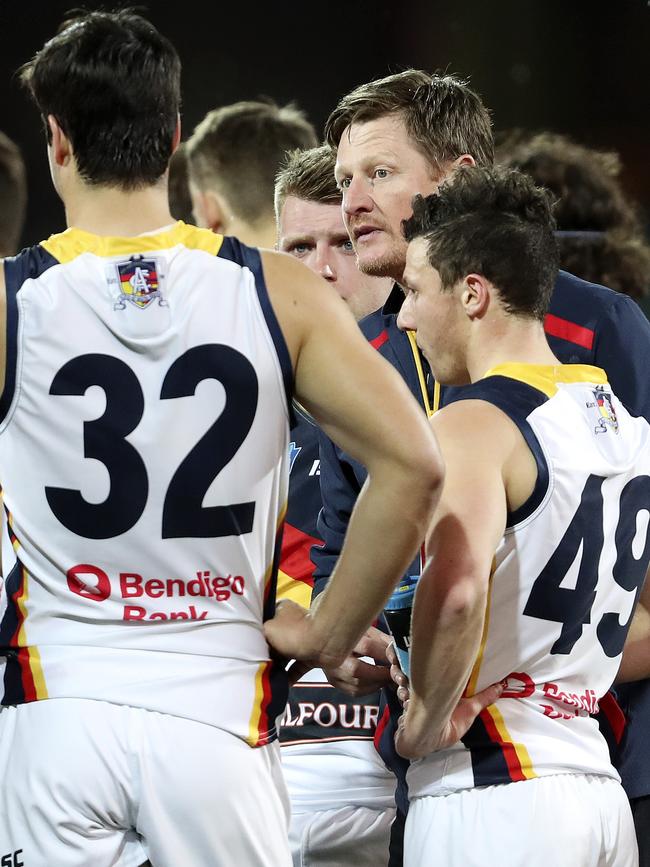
(183, 515)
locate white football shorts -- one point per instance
(564, 820)
(93, 783)
(347, 837)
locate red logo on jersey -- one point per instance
(518, 684)
(89, 581)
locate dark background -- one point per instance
(581, 68)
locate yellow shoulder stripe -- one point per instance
(547, 377)
(68, 245)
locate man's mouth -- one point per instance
(361, 233)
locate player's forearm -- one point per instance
(635, 664)
(446, 629)
(386, 528)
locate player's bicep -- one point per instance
(359, 400)
(472, 513)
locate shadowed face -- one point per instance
(315, 232)
(436, 315)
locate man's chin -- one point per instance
(381, 266)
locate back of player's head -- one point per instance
(600, 234)
(493, 222)
(444, 117)
(237, 150)
(113, 84)
(307, 175)
(13, 196)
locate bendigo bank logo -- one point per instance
(89, 581)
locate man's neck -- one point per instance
(111, 211)
(264, 234)
(517, 341)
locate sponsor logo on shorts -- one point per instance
(91, 582)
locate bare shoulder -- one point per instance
(477, 424)
(480, 441)
(291, 282)
(300, 298)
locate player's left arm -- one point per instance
(476, 441)
(635, 663)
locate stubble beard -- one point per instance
(390, 264)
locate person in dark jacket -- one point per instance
(405, 135)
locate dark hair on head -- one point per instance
(113, 84)
(493, 222)
(237, 150)
(444, 117)
(308, 175)
(601, 237)
(13, 195)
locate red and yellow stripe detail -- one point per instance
(261, 727)
(28, 658)
(520, 766)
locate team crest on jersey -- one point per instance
(606, 414)
(138, 280)
(294, 451)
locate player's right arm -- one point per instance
(362, 403)
(635, 663)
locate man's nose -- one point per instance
(356, 197)
(405, 318)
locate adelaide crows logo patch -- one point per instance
(138, 280)
(606, 414)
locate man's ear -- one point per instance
(209, 210)
(177, 134)
(475, 296)
(464, 160)
(60, 145)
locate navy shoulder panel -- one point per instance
(29, 264)
(575, 311)
(249, 257)
(591, 324)
(517, 400)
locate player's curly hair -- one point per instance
(493, 222)
(600, 232)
